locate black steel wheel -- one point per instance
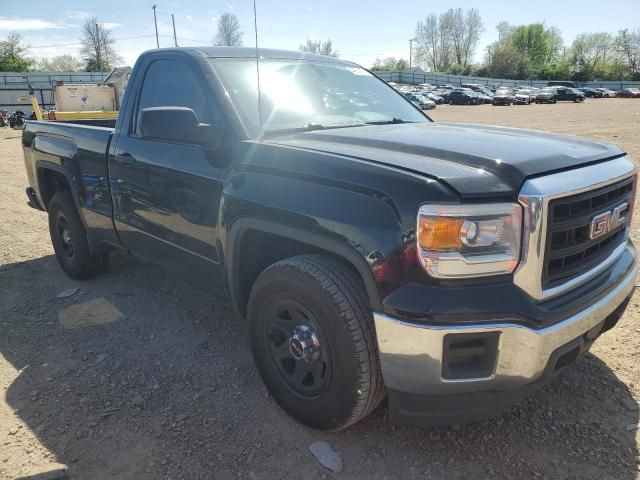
(69, 239)
(64, 233)
(298, 348)
(313, 341)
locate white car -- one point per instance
(523, 97)
(607, 93)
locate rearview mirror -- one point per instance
(177, 124)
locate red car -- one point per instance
(629, 93)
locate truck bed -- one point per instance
(78, 152)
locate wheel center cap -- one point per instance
(296, 348)
(304, 344)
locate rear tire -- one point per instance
(69, 239)
(313, 341)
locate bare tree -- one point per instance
(627, 44)
(429, 43)
(448, 39)
(319, 48)
(229, 34)
(97, 51)
(60, 63)
(472, 28)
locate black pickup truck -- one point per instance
(373, 252)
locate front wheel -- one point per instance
(313, 341)
(69, 239)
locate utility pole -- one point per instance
(155, 21)
(173, 22)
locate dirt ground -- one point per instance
(140, 375)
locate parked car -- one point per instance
(503, 96)
(628, 93)
(485, 94)
(546, 95)
(441, 93)
(591, 92)
(421, 102)
(435, 98)
(561, 83)
(425, 102)
(522, 97)
(373, 254)
(463, 97)
(565, 94)
(607, 93)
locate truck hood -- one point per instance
(477, 161)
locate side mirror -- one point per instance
(178, 124)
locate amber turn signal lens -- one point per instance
(439, 233)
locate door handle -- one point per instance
(126, 159)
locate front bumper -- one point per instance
(413, 357)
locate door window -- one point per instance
(170, 83)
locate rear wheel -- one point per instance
(69, 239)
(313, 341)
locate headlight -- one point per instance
(463, 241)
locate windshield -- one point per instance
(310, 95)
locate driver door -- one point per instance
(167, 193)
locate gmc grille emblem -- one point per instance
(607, 221)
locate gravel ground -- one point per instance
(139, 375)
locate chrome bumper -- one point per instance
(411, 354)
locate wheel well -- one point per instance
(51, 182)
(258, 250)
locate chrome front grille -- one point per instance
(559, 251)
(570, 250)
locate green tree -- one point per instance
(390, 64)
(13, 54)
(590, 52)
(525, 51)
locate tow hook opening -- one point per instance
(470, 355)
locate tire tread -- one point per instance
(347, 292)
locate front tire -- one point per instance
(313, 341)
(69, 239)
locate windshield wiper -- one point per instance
(311, 127)
(388, 122)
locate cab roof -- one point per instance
(248, 52)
